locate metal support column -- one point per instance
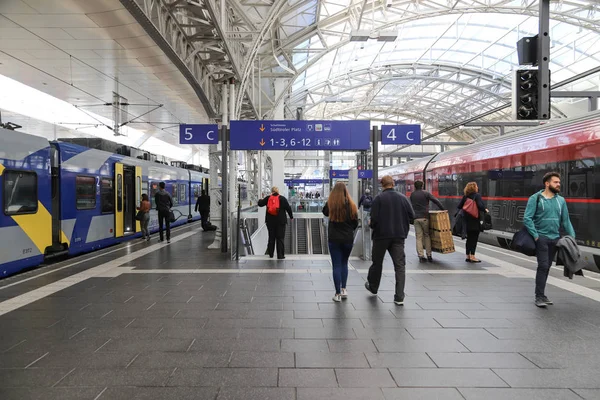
(375, 140)
(224, 200)
(544, 60)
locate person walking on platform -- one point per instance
(420, 202)
(163, 202)
(276, 220)
(473, 206)
(145, 209)
(343, 221)
(546, 213)
(203, 206)
(391, 214)
(365, 201)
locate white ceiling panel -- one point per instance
(112, 18)
(80, 52)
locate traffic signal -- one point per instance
(525, 100)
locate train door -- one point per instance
(131, 192)
(119, 207)
(138, 195)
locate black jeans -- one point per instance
(545, 251)
(472, 238)
(204, 218)
(396, 249)
(163, 218)
(276, 235)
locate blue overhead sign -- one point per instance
(339, 173)
(365, 174)
(303, 181)
(401, 134)
(198, 134)
(300, 135)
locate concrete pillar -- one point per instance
(215, 167)
(233, 156)
(278, 157)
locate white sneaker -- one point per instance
(344, 294)
(337, 298)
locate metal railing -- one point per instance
(365, 230)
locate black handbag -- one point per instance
(486, 224)
(522, 241)
(140, 215)
(172, 217)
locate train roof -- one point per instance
(552, 135)
(18, 145)
(555, 134)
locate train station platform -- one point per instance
(178, 321)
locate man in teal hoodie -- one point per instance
(545, 215)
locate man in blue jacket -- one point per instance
(391, 214)
(545, 215)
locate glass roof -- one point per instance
(451, 59)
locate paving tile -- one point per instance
(481, 360)
(225, 377)
(506, 346)
(519, 394)
(19, 360)
(325, 333)
(58, 393)
(267, 333)
(302, 323)
(475, 323)
(331, 360)
(419, 346)
(237, 393)
(399, 312)
(116, 377)
(215, 345)
(549, 378)
(452, 306)
(360, 378)
(191, 359)
(399, 360)
(312, 378)
(400, 323)
(31, 377)
(351, 346)
(262, 360)
(152, 393)
(422, 394)
(142, 345)
(446, 377)
(587, 394)
(304, 345)
(449, 333)
(346, 323)
(93, 360)
(335, 393)
(382, 333)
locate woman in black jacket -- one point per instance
(473, 222)
(343, 221)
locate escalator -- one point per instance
(316, 236)
(301, 236)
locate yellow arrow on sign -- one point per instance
(262, 127)
(262, 142)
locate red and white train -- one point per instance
(509, 169)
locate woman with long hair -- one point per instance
(472, 204)
(343, 221)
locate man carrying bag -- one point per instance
(545, 215)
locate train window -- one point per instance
(144, 187)
(183, 193)
(85, 192)
(20, 192)
(196, 191)
(107, 196)
(174, 195)
(153, 191)
(119, 193)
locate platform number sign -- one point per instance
(198, 134)
(401, 134)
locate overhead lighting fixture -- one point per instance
(359, 36)
(387, 36)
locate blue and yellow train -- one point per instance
(63, 198)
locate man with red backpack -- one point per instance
(276, 220)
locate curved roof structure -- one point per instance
(430, 62)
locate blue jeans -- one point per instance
(545, 251)
(340, 253)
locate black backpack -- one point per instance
(367, 201)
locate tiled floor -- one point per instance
(154, 321)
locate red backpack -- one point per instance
(273, 205)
